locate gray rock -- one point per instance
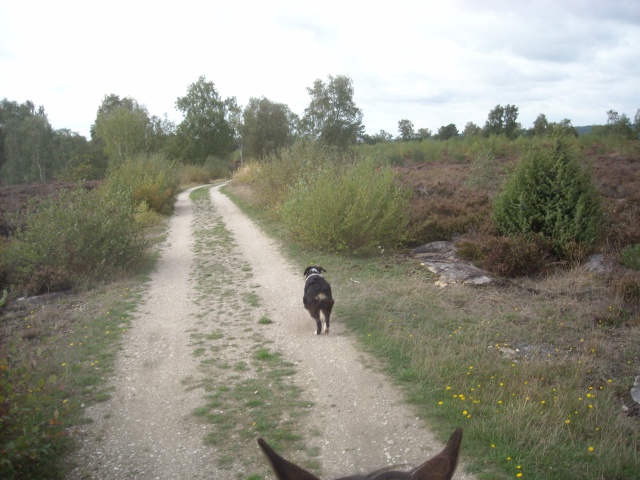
(635, 391)
(440, 258)
(599, 264)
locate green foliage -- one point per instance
(27, 145)
(406, 130)
(447, 131)
(123, 131)
(472, 130)
(217, 167)
(630, 257)
(145, 217)
(503, 121)
(267, 127)
(277, 174)
(541, 126)
(27, 429)
(152, 179)
(417, 155)
(329, 198)
(206, 128)
(484, 172)
(551, 194)
(332, 116)
(515, 256)
(194, 175)
(354, 207)
(77, 236)
(618, 125)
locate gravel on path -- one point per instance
(148, 431)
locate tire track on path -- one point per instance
(146, 430)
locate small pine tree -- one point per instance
(549, 193)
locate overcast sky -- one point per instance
(432, 62)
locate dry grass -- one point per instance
(534, 371)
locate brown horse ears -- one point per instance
(284, 469)
(440, 467)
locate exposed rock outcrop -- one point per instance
(440, 258)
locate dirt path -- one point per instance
(148, 430)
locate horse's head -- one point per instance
(439, 467)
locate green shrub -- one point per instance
(194, 175)
(630, 257)
(79, 235)
(145, 217)
(146, 178)
(281, 171)
(517, 256)
(353, 207)
(551, 194)
(29, 431)
(218, 167)
(484, 172)
(417, 155)
(396, 158)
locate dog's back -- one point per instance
(316, 289)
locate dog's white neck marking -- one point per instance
(311, 275)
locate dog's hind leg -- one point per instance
(327, 319)
(315, 314)
(326, 310)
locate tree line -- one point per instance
(213, 128)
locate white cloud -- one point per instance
(432, 62)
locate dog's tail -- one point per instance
(321, 296)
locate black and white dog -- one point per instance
(317, 297)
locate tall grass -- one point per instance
(331, 199)
(454, 149)
(535, 386)
(355, 207)
(78, 236)
(152, 179)
(273, 178)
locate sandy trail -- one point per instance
(147, 430)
